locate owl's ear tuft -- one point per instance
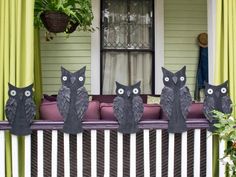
(137, 84)
(226, 83)
(206, 83)
(82, 70)
(183, 69)
(30, 86)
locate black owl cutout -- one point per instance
(216, 98)
(128, 107)
(72, 100)
(20, 109)
(175, 99)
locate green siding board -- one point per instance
(183, 21)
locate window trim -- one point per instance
(158, 46)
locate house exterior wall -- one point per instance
(183, 21)
(72, 53)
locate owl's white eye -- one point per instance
(182, 78)
(27, 93)
(135, 91)
(81, 78)
(121, 91)
(223, 90)
(64, 78)
(13, 93)
(167, 79)
(209, 91)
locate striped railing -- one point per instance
(101, 151)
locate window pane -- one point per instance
(127, 24)
(127, 68)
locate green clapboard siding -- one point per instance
(183, 21)
(72, 53)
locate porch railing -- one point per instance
(101, 151)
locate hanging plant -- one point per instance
(63, 15)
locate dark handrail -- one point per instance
(103, 125)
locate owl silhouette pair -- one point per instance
(176, 99)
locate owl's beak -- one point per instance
(174, 78)
(21, 96)
(128, 93)
(217, 94)
(72, 79)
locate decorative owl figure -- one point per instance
(216, 98)
(72, 100)
(175, 99)
(20, 109)
(128, 107)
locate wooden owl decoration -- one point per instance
(216, 98)
(128, 107)
(175, 99)
(20, 109)
(72, 100)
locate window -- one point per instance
(127, 44)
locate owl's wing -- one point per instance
(137, 108)
(166, 100)
(30, 110)
(118, 107)
(208, 107)
(226, 105)
(63, 101)
(10, 109)
(185, 100)
(81, 104)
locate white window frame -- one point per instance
(159, 46)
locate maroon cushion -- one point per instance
(151, 111)
(49, 111)
(195, 111)
(110, 98)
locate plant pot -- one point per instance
(72, 27)
(54, 22)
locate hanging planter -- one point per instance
(54, 22)
(72, 27)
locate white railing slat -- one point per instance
(197, 152)
(171, 154)
(119, 154)
(66, 155)
(221, 154)
(159, 153)
(2, 153)
(133, 155)
(54, 153)
(184, 154)
(209, 154)
(28, 156)
(93, 153)
(80, 155)
(14, 151)
(146, 150)
(40, 153)
(107, 153)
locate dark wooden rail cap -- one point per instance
(107, 125)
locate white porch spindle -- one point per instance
(2, 153)
(184, 156)
(158, 153)
(106, 153)
(40, 152)
(133, 155)
(80, 155)
(14, 151)
(28, 156)
(171, 154)
(197, 148)
(66, 155)
(221, 154)
(209, 154)
(54, 153)
(93, 153)
(146, 147)
(119, 154)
